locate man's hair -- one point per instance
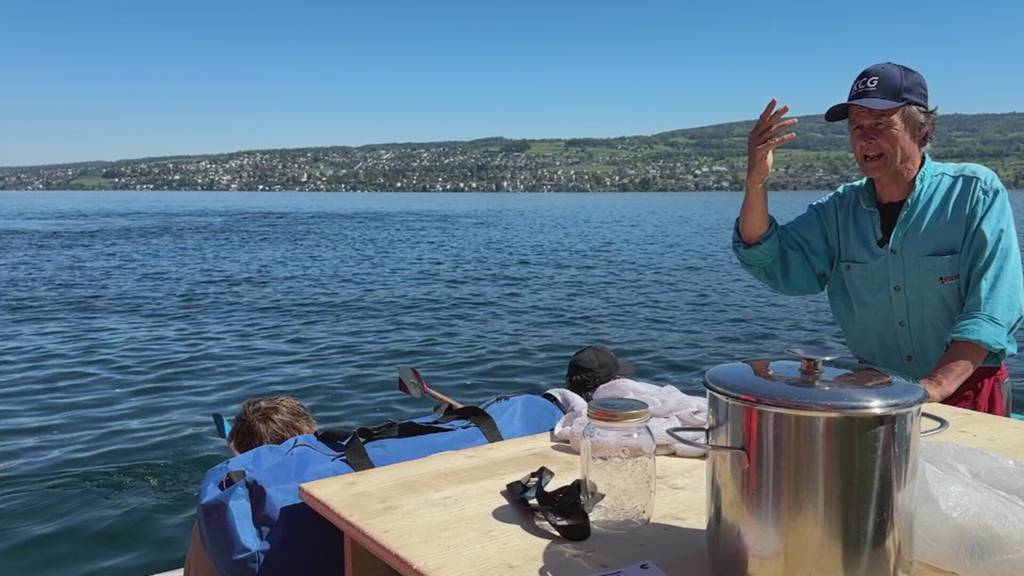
(920, 118)
(270, 420)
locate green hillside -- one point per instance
(705, 158)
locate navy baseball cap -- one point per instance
(883, 87)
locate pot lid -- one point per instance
(813, 379)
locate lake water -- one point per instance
(127, 318)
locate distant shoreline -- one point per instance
(711, 158)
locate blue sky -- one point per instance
(103, 80)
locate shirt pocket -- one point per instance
(939, 283)
(863, 287)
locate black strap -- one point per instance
(355, 454)
(478, 417)
(333, 435)
(562, 508)
(355, 447)
(389, 429)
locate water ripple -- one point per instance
(126, 319)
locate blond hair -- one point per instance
(270, 420)
(921, 121)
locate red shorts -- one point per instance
(982, 391)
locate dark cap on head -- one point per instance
(592, 366)
(882, 87)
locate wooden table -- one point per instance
(446, 515)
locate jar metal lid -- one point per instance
(618, 410)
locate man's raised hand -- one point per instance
(763, 139)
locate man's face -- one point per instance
(882, 142)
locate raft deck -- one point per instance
(446, 515)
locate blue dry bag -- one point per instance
(252, 522)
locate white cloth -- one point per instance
(669, 408)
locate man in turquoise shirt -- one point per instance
(920, 258)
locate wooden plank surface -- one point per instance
(994, 434)
(446, 515)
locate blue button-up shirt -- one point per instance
(951, 270)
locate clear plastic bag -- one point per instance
(969, 511)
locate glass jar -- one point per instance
(617, 452)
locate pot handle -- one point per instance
(943, 424)
(739, 452)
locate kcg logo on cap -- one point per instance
(864, 83)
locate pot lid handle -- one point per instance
(812, 358)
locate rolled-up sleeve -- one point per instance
(795, 258)
(990, 262)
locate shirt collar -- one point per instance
(867, 191)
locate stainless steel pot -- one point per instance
(811, 467)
